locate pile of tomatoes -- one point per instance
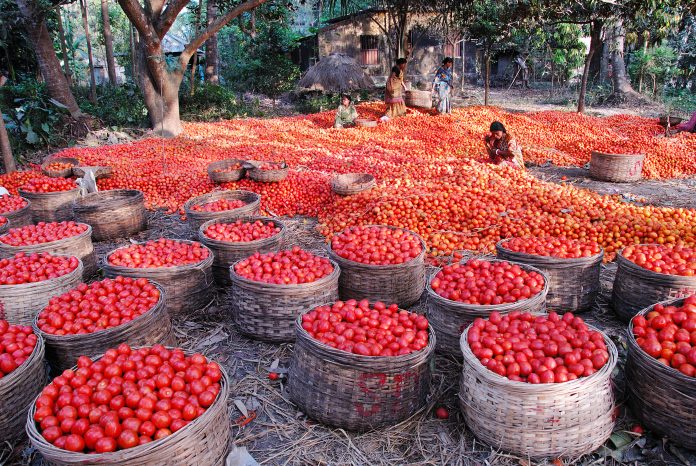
(553, 246)
(98, 306)
(537, 349)
(9, 203)
(241, 231)
(58, 166)
(46, 184)
(127, 398)
(668, 334)
(376, 245)
(42, 233)
(220, 205)
(290, 267)
(670, 260)
(17, 342)
(32, 268)
(481, 282)
(159, 253)
(367, 330)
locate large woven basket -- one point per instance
(66, 173)
(401, 284)
(195, 219)
(51, 207)
(187, 287)
(118, 213)
(449, 318)
(204, 441)
(226, 176)
(227, 253)
(79, 246)
(635, 288)
(421, 99)
(151, 328)
(21, 217)
(573, 283)
(267, 176)
(19, 304)
(267, 312)
(357, 392)
(18, 390)
(99, 171)
(670, 120)
(620, 168)
(663, 398)
(552, 420)
(5, 227)
(352, 183)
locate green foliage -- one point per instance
(656, 65)
(315, 103)
(121, 106)
(212, 102)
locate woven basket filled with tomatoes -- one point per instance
(219, 204)
(59, 167)
(270, 290)
(234, 238)
(22, 374)
(267, 172)
(173, 411)
(538, 398)
(4, 225)
(182, 268)
(16, 210)
(461, 292)
(572, 268)
(650, 273)
(360, 365)
(226, 171)
(661, 369)
(110, 312)
(65, 238)
(51, 198)
(350, 184)
(118, 213)
(617, 168)
(29, 281)
(380, 263)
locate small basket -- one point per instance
(618, 168)
(66, 173)
(550, 420)
(195, 219)
(355, 392)
(671, 120)
(99, 171)
(420, 99)
(51, 207)
(226, 176)
(365, 123)
(227, 253)
(635, 288)
(352, 183)
(114, 214)
(661, 396)
(21, 217)
(267, 176)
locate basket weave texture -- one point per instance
(619, 168)
(538, 421)
(195, 219)
(226, 176)
(118, 213)
(21, 217)
(51, 207)
(357, 392)
(663, 398)
(67, 173)
(573, 283)
(352, 183)
(266, 176)
(421, 99)
(99, 171)
(205, 442)
(635, 288)
(5, 227)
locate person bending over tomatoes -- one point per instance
(503, 148)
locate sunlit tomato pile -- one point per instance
(32, 268)
(42, 232)
(482, 282)
(291, 267)
(376, 245)
(219, 205)
(672, 260)
(58, 166)
(668, 334)
(9, 203)
(98, 306)
(377, 330)
(231, 168)
(129, 397)
(551, 246)
(241, 231)
(17, 342)
(537, 349)
(159, 253)
(46, 184)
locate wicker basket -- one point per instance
(661, 396)
(114, 214)
(671, 120)
(553, 420)
(420, 99)
(79, 246)
(619, 168)
(17, 392)
(5, 227)
(357, 392)
(226, 176)
(573, 283)
(449, 318)
(352, 183)
(151, 328)
(187, 287)
(99, 171)
(267, 312)
(205, 442)
(401, 284)
(267, 176)
(227, 253)
(635, 288)
(195, 218)
(21, 217)
(19, 304)
(51, 207)
(365, 123)
(66, 173)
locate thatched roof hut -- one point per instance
(336, 73)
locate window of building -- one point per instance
(369, 50)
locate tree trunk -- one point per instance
(5, 148)
(108, 43)
(211, 46)
(595, 34)
(133, 54)
(90, 59)
(63, 46)
(194, 65)
(622, 85)
(487, 78)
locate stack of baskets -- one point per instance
(118, 213)
(197, 218)
(619, 168)
(51, 207)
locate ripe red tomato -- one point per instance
(46, 184)
(442, 413)
(42, 233)
(674, 259)
(553, 246)
(32, 268)
(288, 267)
(377, 245)
(220, 205)
(241, 231)
(160, 253)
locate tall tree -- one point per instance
(90, 57)
(5, 148)
(63, 46)
(108, 42)
(196, 25)
(211, 46)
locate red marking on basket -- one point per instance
(244, 420)
(554, 420)
(637, 167)
(373, 398)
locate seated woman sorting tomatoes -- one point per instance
(502, 148)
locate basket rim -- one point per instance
(79, 268)
(235, 277)
(203, 238)
(52, 159)
(24, 194)
(120, 268)
(20, 210)
(40, 347)
(554, 259)
(197, 200)
(82, 202)
(371, 178)
(87, 232)
(621, 260)
(223, 162)
(604, 154)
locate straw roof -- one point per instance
(335, 73)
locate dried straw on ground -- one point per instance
(336, 73)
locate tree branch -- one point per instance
(251, 30)
(168, 16)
